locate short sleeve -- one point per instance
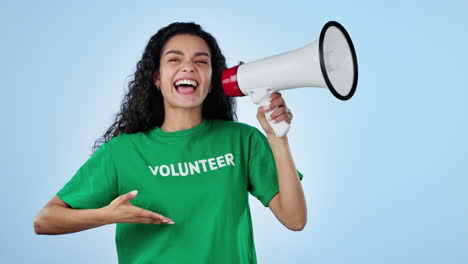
(94, 185)
(263, 177)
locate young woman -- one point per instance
(176, 152)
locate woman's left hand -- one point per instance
(280, 113)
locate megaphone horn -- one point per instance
(329, 62)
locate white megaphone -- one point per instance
(329, 62)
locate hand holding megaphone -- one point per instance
(329, 62)
(276, 110)
(280, 128)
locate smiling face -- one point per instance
(185, 72)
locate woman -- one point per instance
(187, 167)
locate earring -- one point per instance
(157, 87)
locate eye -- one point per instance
(203, 62)
(174, 60)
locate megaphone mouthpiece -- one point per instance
(229, 81)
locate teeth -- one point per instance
(186, 81)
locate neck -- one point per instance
(177, 119)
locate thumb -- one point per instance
(128, 196)
(125, 197)
(261, 114)
(131, 195)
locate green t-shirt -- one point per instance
(199, 177)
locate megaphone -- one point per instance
(329, 62)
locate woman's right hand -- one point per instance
(120, 210)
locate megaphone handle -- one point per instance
(282, 127)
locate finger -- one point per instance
(275, 96)
(159, 219)
(168, 221)
(263, 109)
(154, 217)
(149, 214)
(286, 117)
(125, 197)
(132, 194)
(129, 196)
(148, 217)
(261, 116)
(146, 220)
(278, 112)
(162, 221)
(154, 221)
(278, 102)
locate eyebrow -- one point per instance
(181, 53)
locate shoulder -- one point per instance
(123, 140)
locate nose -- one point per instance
(188, 67)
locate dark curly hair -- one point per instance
(143, 108)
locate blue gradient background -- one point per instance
(385, 173)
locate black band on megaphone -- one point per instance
(322, 60)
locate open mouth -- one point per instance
(186, 86)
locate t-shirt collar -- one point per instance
(200, 127)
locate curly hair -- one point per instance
(143, 108)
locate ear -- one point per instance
(156, 79)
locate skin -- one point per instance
(289, 205)
(183, 56)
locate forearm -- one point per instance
(56, 220)
(291, 195)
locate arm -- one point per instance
(289, 204)
(57, 217)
